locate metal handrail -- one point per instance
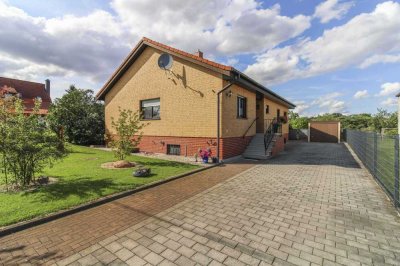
(272, 127)
(247, 130)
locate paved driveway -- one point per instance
(312, 204)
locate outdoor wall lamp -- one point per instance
(229, 94)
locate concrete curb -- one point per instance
(11, 229)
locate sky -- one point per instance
(324, 56)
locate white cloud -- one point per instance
(382, 58)
(301, 107)
(95, 44)
(332, 9)
(330, 104)
(224, 27)
(389, 102)
(363, 36)
(361, 94)
(389, 89)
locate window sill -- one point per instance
(243, 118)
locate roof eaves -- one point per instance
(265, 89)
(146, 41)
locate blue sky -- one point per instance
(325, 56)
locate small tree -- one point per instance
(128, 128)
(6, 104)
(28, 144)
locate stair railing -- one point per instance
(247, 130)
(272, 127)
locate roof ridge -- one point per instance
(22, 80)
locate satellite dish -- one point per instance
(165, 61)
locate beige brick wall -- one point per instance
(273, 107)
(231, 125)
(188, 99)
(188, 96)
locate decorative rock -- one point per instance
(123, 164)
(142, 172)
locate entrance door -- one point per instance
(260, 116)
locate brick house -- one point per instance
(28, 91)
(195, 104)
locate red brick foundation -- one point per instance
(229, 147)
(286, 137)
(279, 145)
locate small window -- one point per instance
(150, 108)
(285, 114)
(241, 107)
(173, 149)
(267, 109)
(278, 113)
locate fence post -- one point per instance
(375, 153)
(396, 171)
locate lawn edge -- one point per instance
(20, 226)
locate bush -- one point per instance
(27, 144)
(78, 116)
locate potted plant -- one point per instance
(283, 119)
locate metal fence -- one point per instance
(380, 155)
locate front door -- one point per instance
(260, 116)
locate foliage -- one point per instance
(126, 126)
(78, 116)
(27, 144)
(80, 179)
(297, 122)
(384, 119)
(376, 122)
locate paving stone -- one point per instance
(183, 261)
(124, 254)
(201, 258)
(248, 260)
(153, 258)
(169, 254)
(233, 262)
(216, 255)
(298, 261)
(263, 256)
(313, 205)
(311, 258)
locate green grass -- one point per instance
(81, 179)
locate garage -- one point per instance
(324, 131)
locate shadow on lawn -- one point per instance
(83, 188)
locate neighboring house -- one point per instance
(28, 91)
(181, 103)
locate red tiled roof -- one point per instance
(193, 56)
(29, 92)
(226, 70)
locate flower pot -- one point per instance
(205, 159)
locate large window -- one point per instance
(150, 108)
(241, 107)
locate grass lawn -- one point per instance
(81, 179)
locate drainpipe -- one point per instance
(218, 116)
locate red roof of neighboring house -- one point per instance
(29, 91)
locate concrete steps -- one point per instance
(256, 150)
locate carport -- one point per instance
(324, 131)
